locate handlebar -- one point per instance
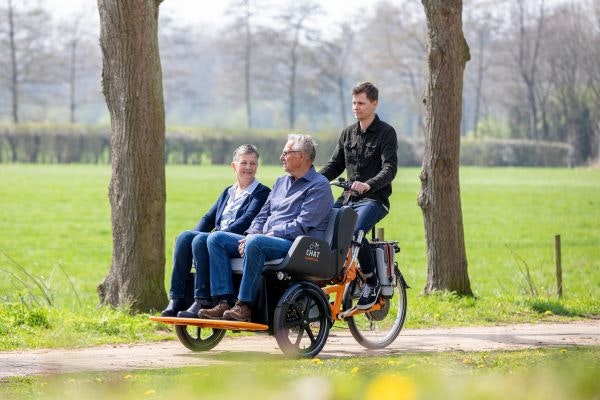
(341, 182)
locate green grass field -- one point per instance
(55, 226)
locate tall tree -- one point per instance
(131, 82)
(439, 199)
(332, 60)
(14, 78)
(527, 58)
(24, 51)
(239, 44)
(296, 20)
(78, 34)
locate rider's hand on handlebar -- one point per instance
(360, 187)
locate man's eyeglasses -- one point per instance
(285, 153)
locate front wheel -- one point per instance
(301, 321)
(197, 338)
(377, 329)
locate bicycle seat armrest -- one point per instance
(308, 258)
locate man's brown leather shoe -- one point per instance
(239, 312)
(216, 312)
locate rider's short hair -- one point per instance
(304, 143)
(244, 149)
(368, 89)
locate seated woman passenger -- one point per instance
(233, 212)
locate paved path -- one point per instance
(261, 346)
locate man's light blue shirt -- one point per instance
(296, 207)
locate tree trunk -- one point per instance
(440, 190)
(247, 63)
(72, 80)
(14, 78)
(131, 82)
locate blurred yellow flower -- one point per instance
(548, 312)
(149, 392)
(354, 370)
(391, 387)
(128, 376)
(317, 361)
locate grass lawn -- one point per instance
(561, 373)
(55, 239)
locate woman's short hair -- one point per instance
(244, 149)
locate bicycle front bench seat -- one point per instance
(315, 259)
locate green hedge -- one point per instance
(505, 152)
(85, 144)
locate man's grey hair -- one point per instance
(244, 149)
(304, 143)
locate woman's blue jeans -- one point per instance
(191, 246)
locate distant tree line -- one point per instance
(534, 73)
(84, 144)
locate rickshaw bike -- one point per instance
(317, 284)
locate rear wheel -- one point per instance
(301, 321)
(377, 329)
(197, 338)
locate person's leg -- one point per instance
(369, 213)
(182, 265)
(258, 249)
(202, 263)
(202, 277)
(222, 246)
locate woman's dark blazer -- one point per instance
(244, 216)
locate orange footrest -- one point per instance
(212, 323)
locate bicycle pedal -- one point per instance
(347, 312)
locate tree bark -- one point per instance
(439, 198)
(132, 86)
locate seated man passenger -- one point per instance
(299, 204)
(233, 212)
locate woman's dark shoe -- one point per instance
(174, 306)
(192, 312)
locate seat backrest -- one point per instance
(342, 222)
(330, 238)
(316, 259)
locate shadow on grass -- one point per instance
(543, 306)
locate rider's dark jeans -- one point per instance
(190, 246)
(369, 213)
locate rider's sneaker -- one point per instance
(368, 296)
